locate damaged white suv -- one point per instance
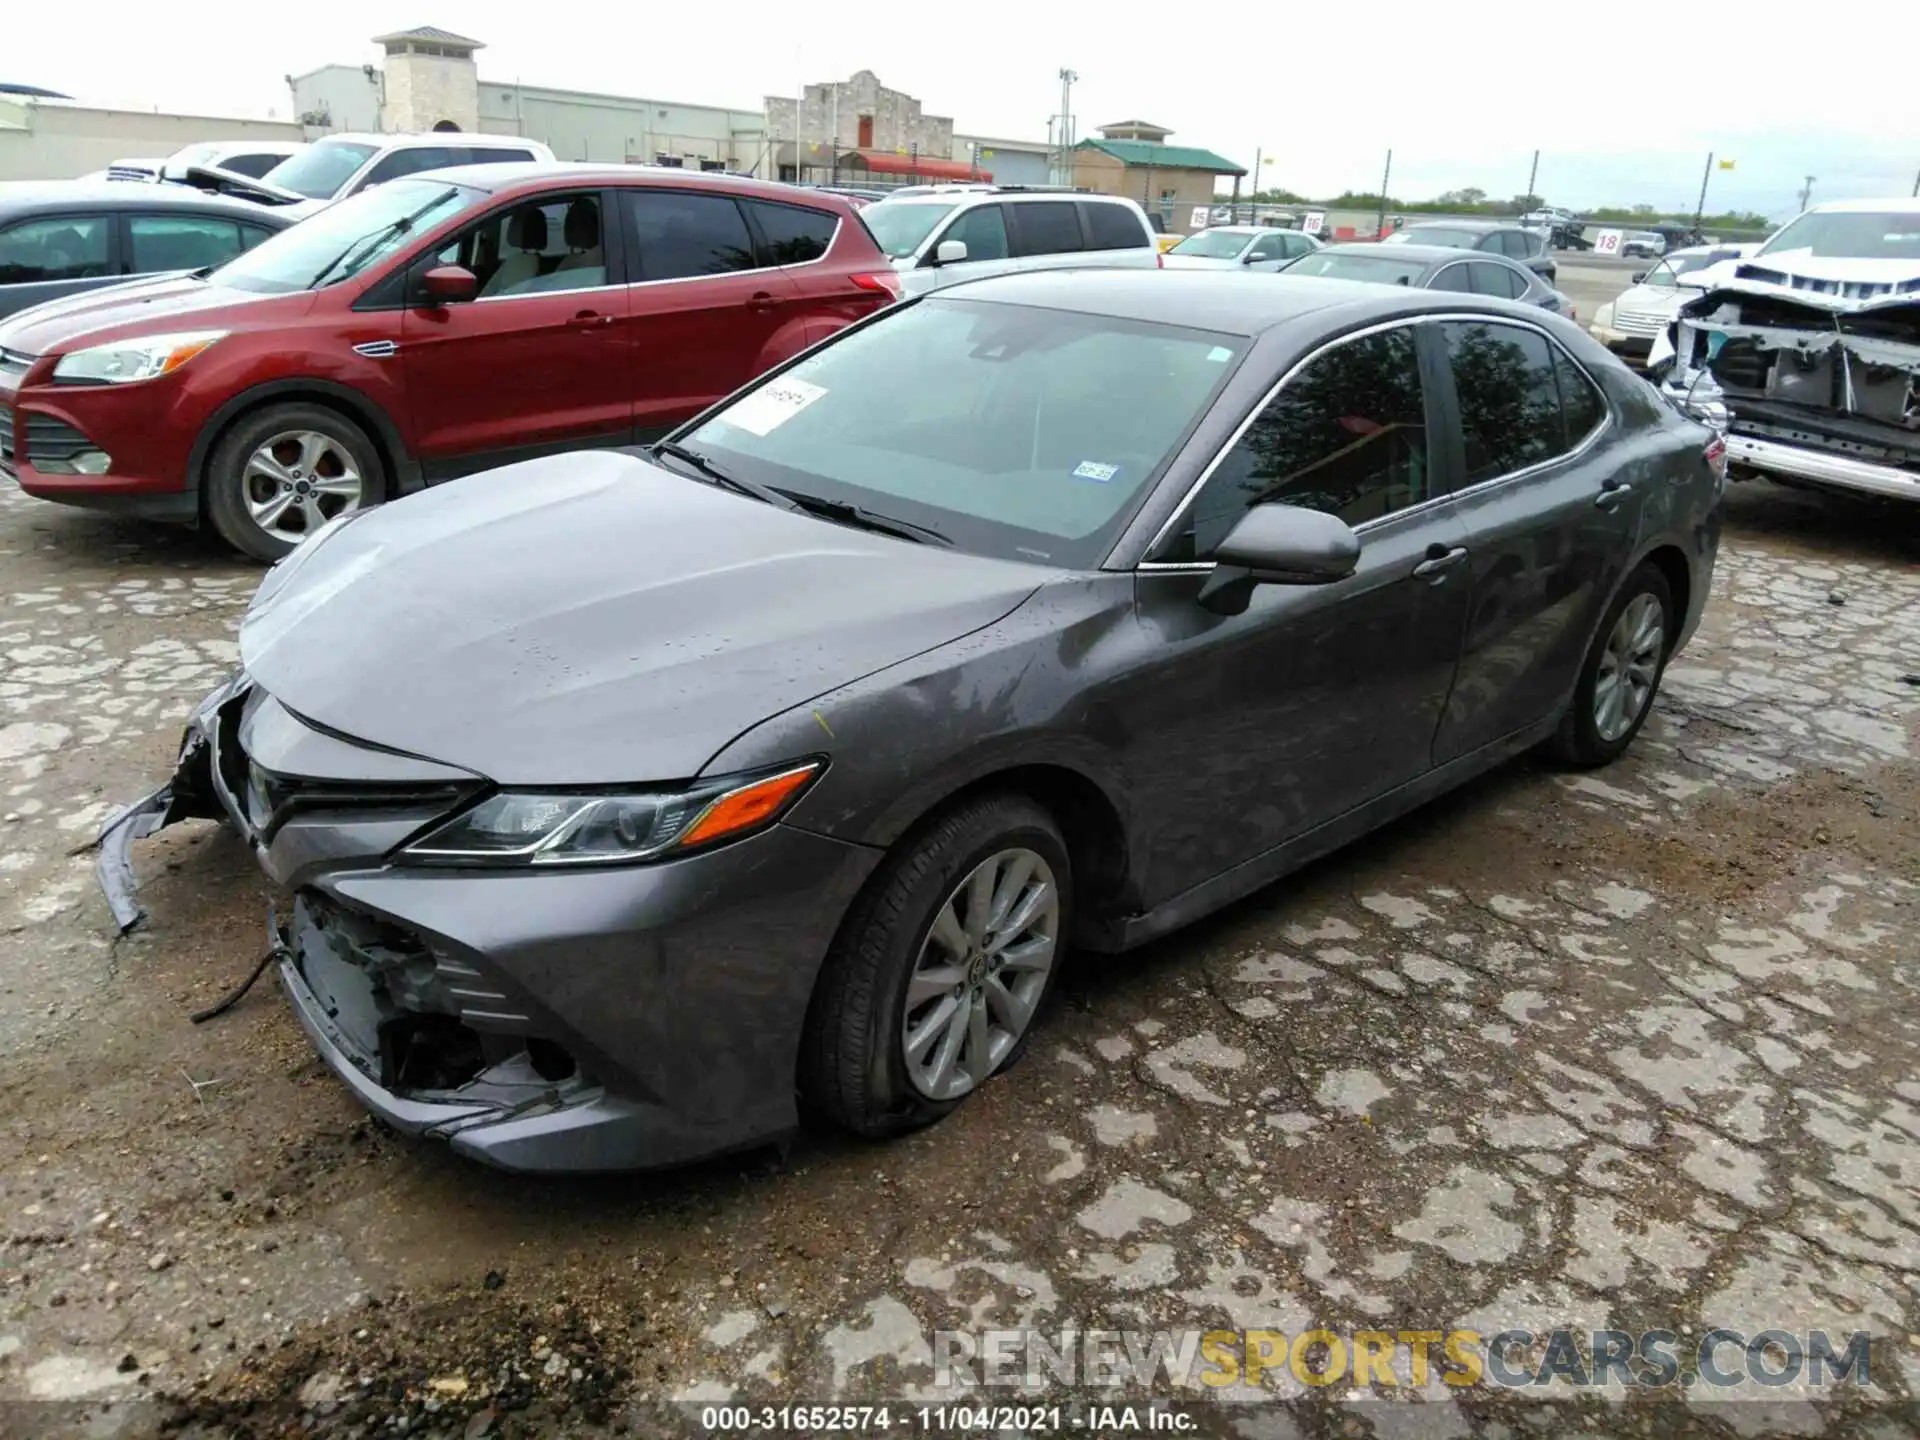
(1807, 353)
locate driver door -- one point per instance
(1251, 730)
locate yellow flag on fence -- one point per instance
(1726, 164)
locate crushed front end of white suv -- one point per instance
(1807, 354)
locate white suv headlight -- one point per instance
(145, 358)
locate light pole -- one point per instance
(1806, 191)
(1380, 228)
(1532, 173)
(1067, 77)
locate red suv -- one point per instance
(440, 324)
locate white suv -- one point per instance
(943, 238)
(337, 166)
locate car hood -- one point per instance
(1198, 262)
(595, 619)
(140, 307)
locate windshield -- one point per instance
(1021, 433)
(1851, 234)
(344, 239)
(320, 170)
(1345, 265)
(1213, 244)
(1434, 235)
(900, 229)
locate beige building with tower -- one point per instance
(858, 128)
(1133, 158)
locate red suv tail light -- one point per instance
(885, 281)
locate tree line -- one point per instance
(1476, 202)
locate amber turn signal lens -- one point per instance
(748, 807)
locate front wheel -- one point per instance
(940, 968)
(1621, 673)
(282, 472)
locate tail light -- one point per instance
(885, 282)
(1716, 453)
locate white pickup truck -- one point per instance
(1807, 353)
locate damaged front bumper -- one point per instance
(1809, 388)
(580, 1018)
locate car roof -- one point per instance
(996, 196)
(1481, 225)
(1900, 205)
(1237, 230)
(1432, 254)
(1224, 301)
(63, 197)
(501, 176)
(466, 139)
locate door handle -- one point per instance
(761, 300)
(1439, 560)
(1612, 492)
(590, 320)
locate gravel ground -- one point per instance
(1637, 1048)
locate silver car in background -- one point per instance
(1257, 247)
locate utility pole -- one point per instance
(1067, 77)
(1532, 173)
(1254, 213)
(1806, 191)
(1700, 209)
(1380, 228)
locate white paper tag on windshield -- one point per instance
(1094, 470)
(772, 405)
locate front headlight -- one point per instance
(123, 361)
(530, 828)
(1603, 317)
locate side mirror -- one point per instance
(449, 284)
(1640, 277)
(1279, 545)
(949, 252)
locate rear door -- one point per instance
(54, 255)
(702, 309)
(1550, 491)
(811, 248)
(538, 361)
(1498, 281)
(1046, 234)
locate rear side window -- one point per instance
(792, 235)
(1457, 278)
(1509, 397)
(1496, 280)
(63, 247)
(1580, 404)
(1047, 227)
(490, 156)
(1112, 227)
(983, 229)
(1347, 436)
(396, 163)
(679, 234)
(180, 242)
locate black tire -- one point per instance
(852, 1071)
(226, 480)
(1578, 742)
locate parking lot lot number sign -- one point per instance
(1607, 242)
(1199, 220)
(1315, 222)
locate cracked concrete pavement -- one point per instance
(1638, 1048)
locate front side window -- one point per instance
(62, 247)
(1509, 397)
(1112, 227)
(345, 239)
(1346, 435)
(319, 171)
(554, 243)
(180, 242)
(1047, 227)
(1017, 432)
(983, 230)
(793, 235)
(900, 227)
(683, 234)
(1661, 277)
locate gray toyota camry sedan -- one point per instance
(631, 805)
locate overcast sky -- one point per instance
(1622, 109)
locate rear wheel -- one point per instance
(1622, 672)
(282, 472)
(942, 965)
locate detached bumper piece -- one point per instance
(435, 1047)
(188, 796)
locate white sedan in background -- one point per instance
(1258, 247)
(1628, 324)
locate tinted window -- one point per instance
(253, 166)
(1580, 404)
(489, 156)
(411, 162)
(65, 247)
(983, 230)
(1509, 398)
(1346, 435)
(681, 233)
(1455, 278)
(1048, 227)
(1019, 432)
(180, 242)
(793, 235)
(1496, 280)
(1112, 227)
(549, 244)
(252, 235)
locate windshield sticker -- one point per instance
(1094, 470)
(1219, 354)
(771, 406)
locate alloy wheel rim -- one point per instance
(982, 968)
(1629, 666)
(298, 480)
